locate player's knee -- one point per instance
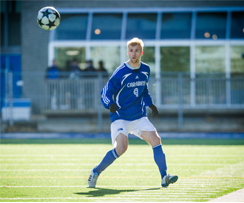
(121, 149)
(156, 140)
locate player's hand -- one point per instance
(154, 110)
(113, 108)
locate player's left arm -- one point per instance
(148, 100)
(146, 96)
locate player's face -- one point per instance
(134, 53)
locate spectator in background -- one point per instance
(102, 69)
(91, 73)
(53, 72)
(90, 67)
(75, 74)
(67, 69)
(75, 70)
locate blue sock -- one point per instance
(160, 160)
(107, 160)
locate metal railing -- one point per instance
(82, 95)
(167, 92)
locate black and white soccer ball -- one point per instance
(48, 18)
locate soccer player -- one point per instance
(126, 96)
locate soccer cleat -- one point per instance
(92, 180)
(168, 179)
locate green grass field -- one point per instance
(57, 170)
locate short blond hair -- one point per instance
(135, 41)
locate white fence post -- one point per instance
(99, 104)
(180, 101)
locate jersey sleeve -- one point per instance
(146, 96)
(108, 91)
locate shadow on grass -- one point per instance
(100, 192)
(131, 141)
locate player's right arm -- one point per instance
(108, 91)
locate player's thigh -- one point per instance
(151, 137)
(141, 125)
(122, 144)
(118, 127)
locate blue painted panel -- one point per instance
(2, 80)
(19, 103)
(12, 62)
(15, 65)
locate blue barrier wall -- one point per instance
(10, 62)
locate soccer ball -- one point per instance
(48, 18)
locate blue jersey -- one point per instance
(129, 90)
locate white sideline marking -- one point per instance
(115, 164)
(85, 186)
(67, 157)
(43, 186)
(103, 198)
(68, 170)
(52, 159)
(99, 186)
(199, 179)
(135, 193)
(203, 190)
(46, 170)
(158, 186)
(125, 156)
(54, 155)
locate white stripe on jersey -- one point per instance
(145, 73)
(106, 102)
(125, 76)
(117, 71)
(105, 90)
(103, 96)
(105, 99)
(142, 103)
(117, 97)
